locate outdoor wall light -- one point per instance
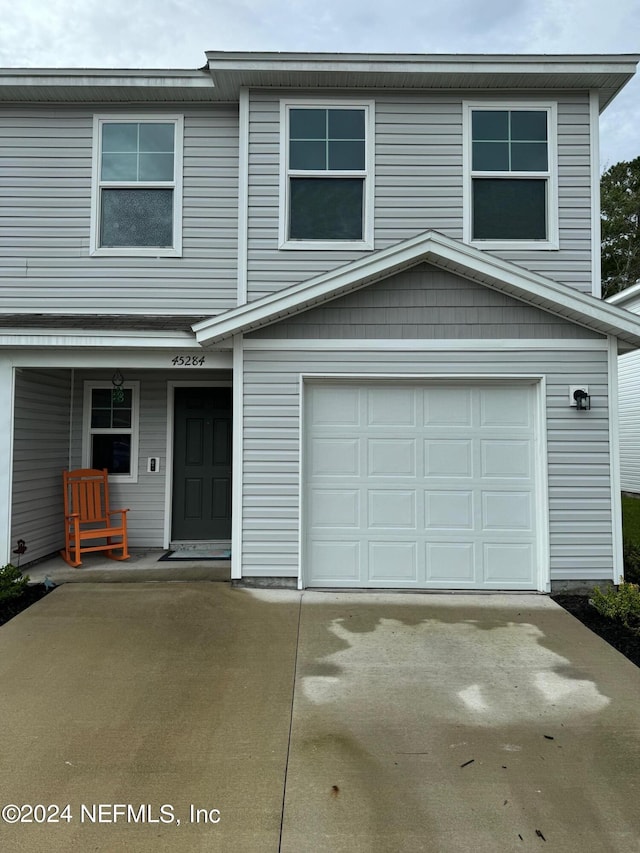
(583, 400)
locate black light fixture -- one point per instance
(117, 392)
(583, 400)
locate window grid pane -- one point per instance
(107, 413)
(509, 141)
(137, 151)
(327, 139)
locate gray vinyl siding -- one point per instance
(577, 446)
(45, 215)
(629, 412)
(424, 302)
(418, 184)
(629, 420)
(40, 454)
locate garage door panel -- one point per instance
(446, 458)
(336, 561)
(335, 508)
(391, 457)
(510, 459)
(450, 562)
(507, 563)
(393, 562)
(391, 407)
(507, 511)
(333, 406)
(335, 457)
(498, 409)
(389, 509)
(448, 407)
(449, 510)
(420, 485)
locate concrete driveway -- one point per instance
(197, 717)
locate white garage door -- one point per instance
(420, 486)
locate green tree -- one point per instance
(620, 217)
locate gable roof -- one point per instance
(444, 252)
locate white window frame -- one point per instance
(367, 174)
(550, 175)
(174, 251)
(134, 430)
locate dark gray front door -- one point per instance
(202, 464)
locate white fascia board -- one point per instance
(430, 247)
(105, 339)
(407, 63)
(79, 77)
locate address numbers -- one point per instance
(187, 360)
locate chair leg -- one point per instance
(71, 553)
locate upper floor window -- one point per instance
(137, 186)
(510, 180)
(327, 176)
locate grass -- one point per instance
(631, 520)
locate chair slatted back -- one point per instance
(86, 492)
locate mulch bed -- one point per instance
(623, 639)
(13, 606)
(614, 633)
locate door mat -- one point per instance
(193, 555)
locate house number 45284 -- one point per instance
(187, 360)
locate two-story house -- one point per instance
(333, 309)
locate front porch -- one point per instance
(145, 565)
(57, 418)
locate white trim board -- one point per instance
(214, 360)
(426, 345)
(614, 463)
(237, 459)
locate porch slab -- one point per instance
(142, 566)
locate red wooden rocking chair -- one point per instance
(89, 524)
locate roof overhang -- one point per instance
(627, 298)
(607, 74)
(83, 86)
(434, 248)
(226, 73)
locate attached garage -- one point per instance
(420, 485)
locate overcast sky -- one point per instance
(176, 33)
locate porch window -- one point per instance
(111, 430)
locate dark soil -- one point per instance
(623, 639)
(13, 606)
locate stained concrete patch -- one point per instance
(458, 723)
(150, 695)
